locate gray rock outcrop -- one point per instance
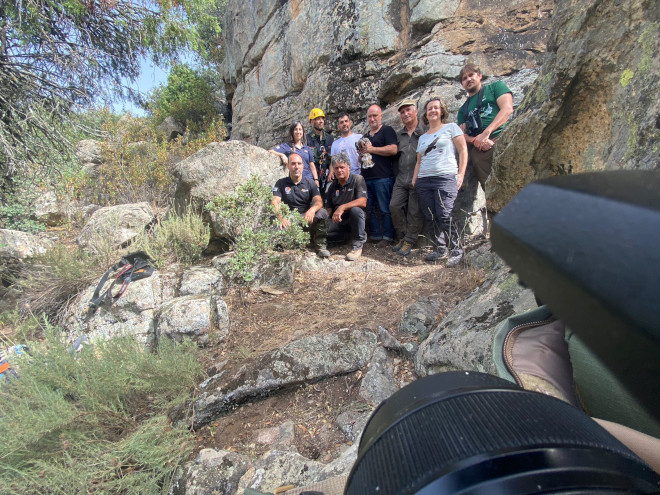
(50, 210)
(170, 128)
(303, 361)
(89, 151)
(149, 309)
(364, 52)
(276, 468)
(378, 383)
(464, 338)
(116, 225)
(419, 317)
(193, 317)
(594, 105)
(201, 280)
(218, 169)
(18, 245)
(215, 472)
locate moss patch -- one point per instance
(626, 76)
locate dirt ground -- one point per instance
(317, 303)
(266, 318)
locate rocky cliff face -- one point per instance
(284, 58)
(595, 105)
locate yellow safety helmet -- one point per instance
(316, 112)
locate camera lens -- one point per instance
(468, 432)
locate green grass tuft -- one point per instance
(95, 422)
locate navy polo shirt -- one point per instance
(340, 195)
(305, 153)
(296, 196)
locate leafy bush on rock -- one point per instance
(248, 220)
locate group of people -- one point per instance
(412, 174)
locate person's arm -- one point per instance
(315, 174)
(461, 147)
(359, 202)
(416, 171)
(283, 157)
(317, 204)
(278, 213)
(505, 104)
(389, 150)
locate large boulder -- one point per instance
(51, 210)
(116, 225)
(303, 361)
(89, 151)
(18, 245)
(218, 169)
(171, 128)
(365, 52)
(134, 313)
(594, 105)
(464, 338)
(194, 317)
(215, 472)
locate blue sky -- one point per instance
(150, 76)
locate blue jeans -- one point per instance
(436, 197)
(379, 192)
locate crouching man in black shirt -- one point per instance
(345, 202)
(302, 194)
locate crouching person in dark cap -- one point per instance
(345, 202)
(302, 194)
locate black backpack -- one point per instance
(134, 266)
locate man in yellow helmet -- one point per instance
(320, 142)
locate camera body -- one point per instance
(473, 124)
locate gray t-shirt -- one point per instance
(438, 152)
(347, 144)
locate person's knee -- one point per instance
(356, 212)
(321, 214)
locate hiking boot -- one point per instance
(384, 243)
(374, 240)
(405, 249)
(354, 255)
(455, 258)
(437, 255)
(323, 253)
(398, 246)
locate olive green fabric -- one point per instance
(602, 395)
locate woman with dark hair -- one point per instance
(438, 177)
(298, 145)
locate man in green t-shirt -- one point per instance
(482, 126)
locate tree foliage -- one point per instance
(188, 97)
(60, 55)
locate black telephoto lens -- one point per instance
(469, 432)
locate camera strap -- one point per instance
(480, 97)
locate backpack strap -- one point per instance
(464, 108)
(133, 266)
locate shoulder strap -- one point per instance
(466, 105)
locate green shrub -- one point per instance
(248, 220)
(136, 165)
(188, 97)
(95, 421)
(177, 239)
(17, 207)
